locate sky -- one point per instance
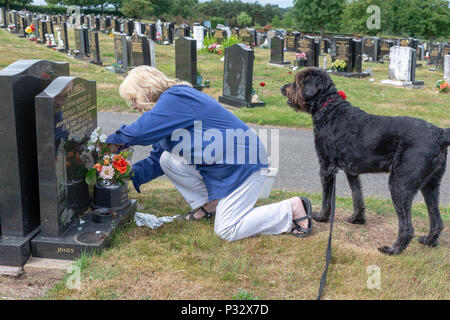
(281, 3)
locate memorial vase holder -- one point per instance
(110, 195)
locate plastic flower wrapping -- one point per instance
(109, 167)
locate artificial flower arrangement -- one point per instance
(443, 86)
(158, 38)
(301, 56)
(339, 65)
(110, 168)
(11, 27)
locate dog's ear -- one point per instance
(313, 82)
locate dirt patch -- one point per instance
(376, 232)
(23, 287)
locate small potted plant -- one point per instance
(109, 174)
(339, 65)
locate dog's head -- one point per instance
(310, 86)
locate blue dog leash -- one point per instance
(323, 280)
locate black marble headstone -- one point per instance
(64, 35)
(20, 82)
(277, 51)
(139, 48)
(307, 45)
(385, 48)
(238, 77)
(3, 23)
(186, 60)
(291, 41)
(94, 48)
(371, 47)
(121, 48)
(343, 50)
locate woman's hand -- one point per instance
(114, 147)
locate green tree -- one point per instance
(137, 9)
(243, 19)
(317, 14)
(117, 4)
(276, 21)
(184, 8)
(430, 19)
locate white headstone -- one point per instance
(60, 40)
(159, 28)
(199, 35)
(447, 68)
(401, 63)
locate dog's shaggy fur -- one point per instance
(347, 138)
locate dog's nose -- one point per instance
(283, 89)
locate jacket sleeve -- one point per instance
(147, 169)
(171, 112)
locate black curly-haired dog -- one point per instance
(347, 138)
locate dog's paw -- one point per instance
(319, 217)
(427, 242)
(389, 250)
(356, 220)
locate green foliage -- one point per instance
(91, 176)
(216, 20)
(243, 19)
(244, 295)
(137, 9)
(184, 8)
(230, 41)
(317, 14)
(276, 22)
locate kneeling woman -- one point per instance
(226, 180)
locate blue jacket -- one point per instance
(194, 125)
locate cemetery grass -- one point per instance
(372, 97)
(182, 260)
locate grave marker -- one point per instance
(238, 77)
(186, 61)
(20, 82)
(94, 48)
(402, 67)
(277, 51)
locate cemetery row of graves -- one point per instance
(44, 201)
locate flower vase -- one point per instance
(110, 195)
(199, 80)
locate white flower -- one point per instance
(91, 147)
(102, 138)
(105, 157)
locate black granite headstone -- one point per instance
(66, 114)
(307, 45)
(94, 48)
(291, 41)
(371, 47)
(19, 196)
(385, 48)
(116, 25)
(3, 23)
(186, 61)
(277, 51)
(80, 43)
(121, 49)
(220, 35)
(64, 35)
(350, 51)
(238, 77)
(139, 50)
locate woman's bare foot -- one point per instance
(210, 207)
(298, 211)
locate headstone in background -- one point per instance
(220, 35)
(246, 37)
(121, 49)
(199, 34)
(350, 51)
(140, 54)
(80, 43)
(435, 54)
(116, 24)
(14, 20)
(371, 47)
(207, 24)
(20, 82)
(94, 48)
(36, 28)
(65, 36)
(277, 51)
(270, 35)
(186, 61)
(42, 32)
(410, 42)
(3, 18)
(445, 50)
(420, 52)
(98, 24)
(402, 67)
(128, 27)
(238, 77)
(291, 41)
(385, 48)
(235, 32)
(66, 114)
(447, 68)
(357, 55)
(49, 25)
(307, 45)
(22, 26)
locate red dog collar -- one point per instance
(341, 93)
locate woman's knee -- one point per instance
(225, 233)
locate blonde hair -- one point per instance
(144, 85)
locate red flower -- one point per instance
(262, 84)
(121, 165)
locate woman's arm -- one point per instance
(147, 169)
(170, 113)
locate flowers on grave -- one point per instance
(11, 27)
(117, 65)
(442, 86)
(158, 38)
(339, 65)
(301, 56)
(109, 167)
(28, 30)
(262, 84)
(215, 48)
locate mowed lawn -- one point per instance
(188, 261)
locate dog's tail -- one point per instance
(446, 136)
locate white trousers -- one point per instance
(236, 217)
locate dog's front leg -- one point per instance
(359, 206)
(327, 177)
